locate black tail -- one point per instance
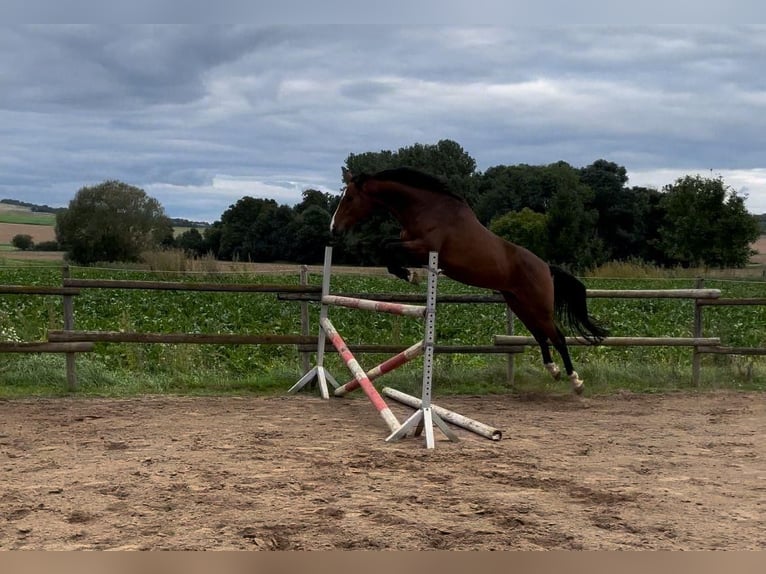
(570, 305)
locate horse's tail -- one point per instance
(570, 305)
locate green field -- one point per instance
(26, 217)
(135, 368)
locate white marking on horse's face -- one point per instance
(332, 221)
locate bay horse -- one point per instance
(433, 218)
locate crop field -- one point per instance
(29, 319)
(15, 220)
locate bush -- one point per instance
(47, 246)
(22, 241)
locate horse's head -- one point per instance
(355, 203)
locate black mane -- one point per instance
(415, 178)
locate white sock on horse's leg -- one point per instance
(554, 370)
(577, 382)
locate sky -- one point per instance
(199, 116)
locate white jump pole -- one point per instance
(451, 417)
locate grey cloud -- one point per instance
(175, 107)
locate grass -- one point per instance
(27, 217)
(133, 369)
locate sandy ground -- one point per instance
(295, 472)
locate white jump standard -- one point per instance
(426, 415)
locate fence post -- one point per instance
(305, 356)
(71, 375)
(696, 355)
(510, 373)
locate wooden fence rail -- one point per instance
(45, 347)
(70, 348)
(620, 341)
(187, 286)
(702, 294)
(178, 338)
(70, 341)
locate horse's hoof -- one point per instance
(578, 386)
(554, 370)
(413, 278)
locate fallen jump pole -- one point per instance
(359, 374)
(456, 419)
(385, 367)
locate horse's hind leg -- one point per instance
(541, 332)
(545, 350)
(548, 331)
(559, 342)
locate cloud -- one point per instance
(197, 114)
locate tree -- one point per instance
(706, 223)
(112, 221)
(445, 159)
(315, 198)
(505, 188)
(572, 235)
(645, 243)
(22, 241)
(310, 234)
(620, 216)
(526, 228)
(256, 230)
(191, 241)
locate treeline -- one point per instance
(577, 216)
(580, 217)
(32, 206)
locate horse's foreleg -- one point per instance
(396, 259)
(402, 253)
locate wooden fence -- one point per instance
(70, 341)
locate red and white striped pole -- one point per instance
(359, 374)
(379, 306)
(385, 367)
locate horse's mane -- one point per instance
(414, 178)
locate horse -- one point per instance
(433, 218)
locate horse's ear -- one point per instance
(347, 175)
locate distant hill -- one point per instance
(176, 221)
(179, 222)
(32, 207)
